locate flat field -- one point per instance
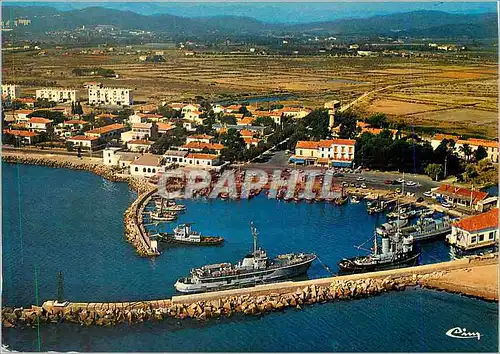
(430, 91)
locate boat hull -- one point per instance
(348, 265)
(243, 280)
(205, 241)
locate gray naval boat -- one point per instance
(255, 268)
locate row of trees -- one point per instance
(93, 71)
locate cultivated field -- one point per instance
(429, 92)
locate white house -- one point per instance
(189, 108)
(490, 146)
(139, 145)
(194, 116)
(174, 156)
(146, 165)
(57, 94)
(475, 231)
(75, 124)
(201, 160)
(141, 131)
(199, 146)
(107, 132)
(21, 116)
(11, 91)
(84, 142)
(199, 138)
(164, 128)
(39, 124)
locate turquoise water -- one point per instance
(71, 221)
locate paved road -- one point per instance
(49, 151)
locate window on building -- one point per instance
(481, 238)
(144, 169)
(109, 161)
(149, 170)
(197, 162)
(154, 170)
(473, 239)
(492, 235)
(137, 169)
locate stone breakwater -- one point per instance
(135, 232)
(104, 171)
(109, 314)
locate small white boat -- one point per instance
(355, 200)
(427, 194)
(162, 216)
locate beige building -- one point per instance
(115, 96)
(84, 142)
(334, 152)
(11, 91)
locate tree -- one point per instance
(231, 120)
(264, 122)
(480, 153)
(433, 170)
(378, 120)
(57, 117)
(234, 145)
(466, 150)
(317, 121)
(347, 121)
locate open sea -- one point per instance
(71, 221)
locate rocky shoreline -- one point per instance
(115, 313)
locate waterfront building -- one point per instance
(139, 145)
(460, 197)
(57, 95)
(491, 146)
(141, 131)
(199, 138)
(84, 142)
(25, 136)
(175, 156)
(39, 124)
(199, 146)
(475, 231)
(108, 132)
(10, 91)
(201, 160)
(116, 96)
(146, 165)
(334, 152)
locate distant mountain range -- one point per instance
(429, 24)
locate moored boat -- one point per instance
(183, 234)
(255, 268)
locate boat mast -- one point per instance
(254, 234)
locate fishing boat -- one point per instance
(355, 199)
(169, 205)
(427, 229)
(254, 268)
(341, 200)
(396, 251)
(183, 234)
(391, 226)
(163, 216)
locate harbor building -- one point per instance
(174, 156)
(58, 95)
(200, 146)
(146, 165)
(11, 91)
(115, 96)
(334, 152)
(25, 136)
(475, 232)
(84, 142)
(39, 124)
(201, 160)
(107, 132)
(139, 145)
(460, 197)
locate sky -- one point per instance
(274, 12)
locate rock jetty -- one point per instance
(108, 314)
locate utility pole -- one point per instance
(445, 164)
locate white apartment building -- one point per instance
(116, 96)
(11, 91)
(57, 94)
(491, 146)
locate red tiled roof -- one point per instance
(200, 136)
(76, 121)
(329, 143)
(246, 133)
(480, 142)
(24, 133)
(105, 129)
(464, 193)
(201, 156)
(24, 111)
(83, 138)
(201, 146)
(39, 120)
(302, 144)
(479, 222)
(165, 126)
(445, 136)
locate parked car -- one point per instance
(363, 185)
(398, 190)
(360, 178)
(388, 181)
(428, 194)
(446, 205)
(345, 184)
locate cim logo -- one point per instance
(462, 333)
